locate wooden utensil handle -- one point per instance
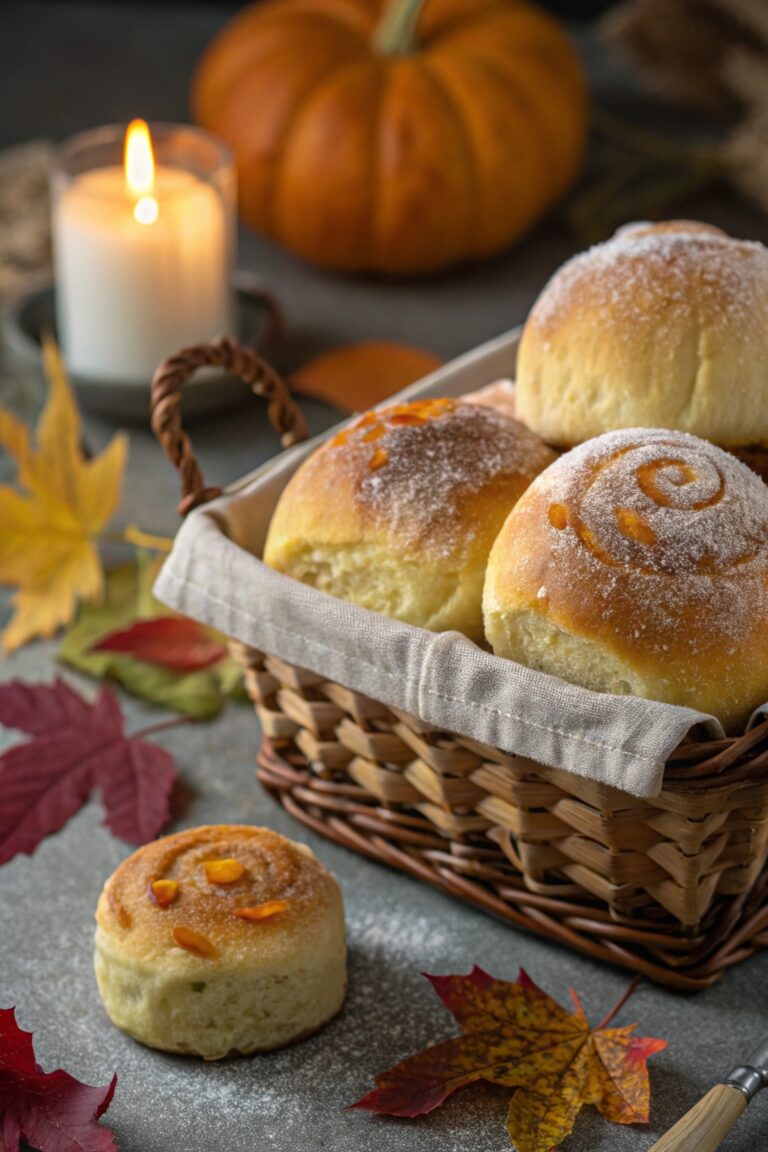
(704, 1128)
(167, 385)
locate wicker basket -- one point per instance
(674, 887)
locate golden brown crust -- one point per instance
(398, 512)
(274, 869)
(664, 326)
(652, 547)
(416, 474)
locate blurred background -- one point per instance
(678, 126)
(82, 63)
(79, 63)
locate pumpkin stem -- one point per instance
(396, 33)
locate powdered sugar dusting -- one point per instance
(420, 476)
(664, 504)
(649, 274)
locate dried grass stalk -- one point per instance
(25, 241)
(712, 55)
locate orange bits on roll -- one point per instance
(194, 942)
(652, 548)
(634, 526)
(371, 426)
(164, 892)
(223, 871)
(250, 956)
(558, 516)
(397, 512)
(262, 911)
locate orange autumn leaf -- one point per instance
(48, 524)
(358, 376)
(515, 1035)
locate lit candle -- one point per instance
(143, 250)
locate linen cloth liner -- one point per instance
(214, 575)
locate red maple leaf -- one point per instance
(175, 642)
(76, 747)
(516, 1035)
(49, 1110)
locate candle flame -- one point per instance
(145, 210)
(139, 159)
(139, 166)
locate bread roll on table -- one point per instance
(664, 326)
(398, 512)
(638, 564)
(221, 939)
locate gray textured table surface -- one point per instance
(84, 64)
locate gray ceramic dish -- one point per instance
(25, 318)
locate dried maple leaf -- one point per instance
(174, 642)
(47, 529)
(76, 747)
(357, 376)
(516, 1035)
(49, 1110)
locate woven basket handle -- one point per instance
(167, 385)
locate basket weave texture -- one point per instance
(674, 887)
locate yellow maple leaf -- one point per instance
(48, 525)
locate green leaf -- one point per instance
(128, 597)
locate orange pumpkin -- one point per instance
(396, 137)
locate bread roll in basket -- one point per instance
(398, 512)
(664, 326)
(638, 564)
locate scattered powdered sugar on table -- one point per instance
(294, 1100)
(288, 1100)
(166, 1101)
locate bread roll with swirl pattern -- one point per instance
(221, 939)
(397, 513)
(663, 326)
(638, 564)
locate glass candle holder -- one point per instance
(144, 247)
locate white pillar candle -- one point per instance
(143, 266)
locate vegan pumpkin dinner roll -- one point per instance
(397, 513)
(638, 564)
(663, 326)
(220, 940)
